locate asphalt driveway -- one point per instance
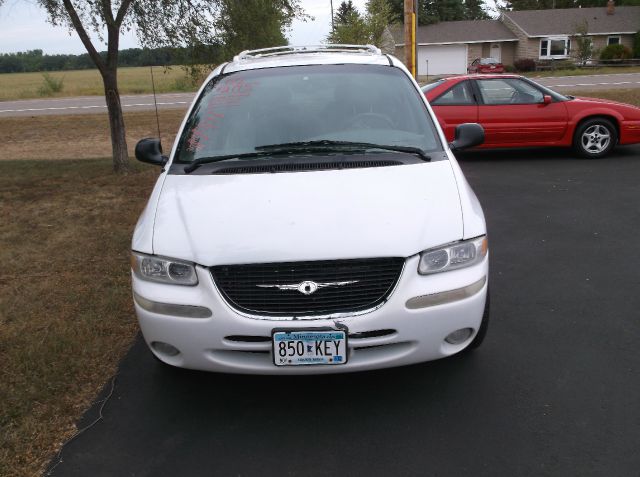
(554, 390)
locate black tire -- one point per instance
(484, 325)
(595, 138)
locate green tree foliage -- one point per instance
(358, 29)
(353, 31)
(636, 45)
(547, 4)
(35, 60)
(377, 18)
(615, 52)
(251, 24)
(344, 12)
(474, 10)
(434, 11)
(584, 46)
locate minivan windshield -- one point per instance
(242, 112)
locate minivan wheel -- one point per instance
(595, 138)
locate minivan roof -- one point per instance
(309, 55)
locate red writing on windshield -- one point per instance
(227, 93)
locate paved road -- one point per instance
(593, 82)
(553, 391)
(96, 104)
(91, 104)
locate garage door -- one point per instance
(443, 60)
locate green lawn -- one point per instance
(134, 80)
(584, 71)
(66, 315)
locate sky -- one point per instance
(23, 26)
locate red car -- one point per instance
(517, 112)
(486, 66)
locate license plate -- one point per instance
(309, 347)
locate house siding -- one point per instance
(524, 46)
(508, 52)
(474, 51)
(600, 42)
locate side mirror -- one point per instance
(467, 135)
(149, 150)
(546, 99)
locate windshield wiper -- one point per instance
(290, 148)
(329, 145)
(247, 155)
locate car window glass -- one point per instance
(359, 103)
(459, 94)
(508, 91)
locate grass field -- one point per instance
(137, 80)
(608, 70)
(80, 136)
(66, 315)
(89, 83)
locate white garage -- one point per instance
(442, 60)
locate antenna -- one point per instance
(153, 85)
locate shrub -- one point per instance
(184, 83)
(510, 68)
(50, 85)
(615, 52)
(524, 64)
(636, 46)
(564, 65)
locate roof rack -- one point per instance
(292, 50)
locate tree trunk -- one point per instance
(116, 122)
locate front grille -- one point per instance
(374, 279)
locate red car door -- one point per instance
(513, 113)
(455, 106)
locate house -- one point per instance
(449, 47)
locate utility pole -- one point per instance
(333, 27)
(410, 26)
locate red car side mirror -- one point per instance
(547, 99)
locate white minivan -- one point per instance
(311, 218)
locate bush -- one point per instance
(636, 46)
(510, 68)
(50, 85)
(524, 64)
(615, 52)
(563, 65)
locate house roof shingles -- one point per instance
(468, 31)
(563, 21)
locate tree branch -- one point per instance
(107, 13)
(122, 11)
(84, 37)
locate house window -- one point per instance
(555, 47)
(613, 40)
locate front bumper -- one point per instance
(230, 342)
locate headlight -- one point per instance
(163, 270)
(453, 256)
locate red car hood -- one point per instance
(583, 99)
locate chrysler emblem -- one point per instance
(308, 287)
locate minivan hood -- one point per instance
(321, 215)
